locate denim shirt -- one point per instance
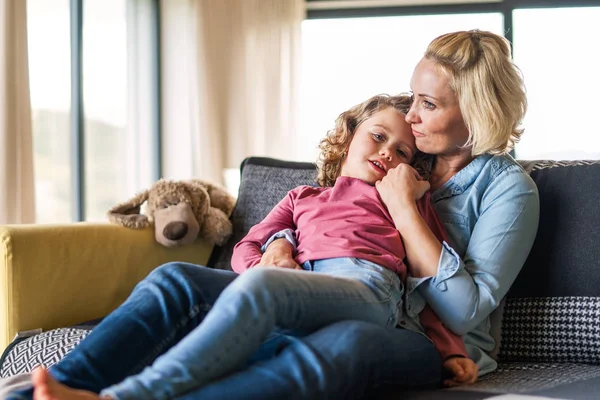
(490, 210)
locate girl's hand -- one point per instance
(464, 371)
(400, 186)
(279, 254)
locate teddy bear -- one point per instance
(181, 211)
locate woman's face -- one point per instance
(435, 116)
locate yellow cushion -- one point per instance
(58, 275)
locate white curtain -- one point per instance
(238, 80)
(17, 203)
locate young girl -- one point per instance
(350, 252)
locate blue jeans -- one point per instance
(257, 302)
(339, 361)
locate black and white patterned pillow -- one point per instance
(551, 329)
(46, 348)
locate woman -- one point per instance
(468, 102)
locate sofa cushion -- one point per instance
(538, 380)
(552, 312)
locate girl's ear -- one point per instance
(128, 214)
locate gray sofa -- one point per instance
(548, 326)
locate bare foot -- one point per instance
(47, 388)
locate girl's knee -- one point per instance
(259, 279)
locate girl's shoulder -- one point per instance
(304, 190)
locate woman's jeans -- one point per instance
(338, 361)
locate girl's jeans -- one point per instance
(341, 360)
(257, 302)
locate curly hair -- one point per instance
(334, 146)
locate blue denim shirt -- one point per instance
(490, 210)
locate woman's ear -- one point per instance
(128, 214)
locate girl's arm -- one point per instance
(446, 342)
(464, 291)
(247, 253)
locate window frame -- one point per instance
(320, 9)
(332, 9)
(77, 118)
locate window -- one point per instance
(117, 77)
(347, 60)
(561, 74)
(105, 102)
(50, 82)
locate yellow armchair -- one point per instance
(59, 275)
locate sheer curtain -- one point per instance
(17, 203)
(235, 73)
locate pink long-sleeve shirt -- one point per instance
(346, 220)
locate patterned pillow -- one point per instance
(46, 349)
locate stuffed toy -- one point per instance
(180, 210)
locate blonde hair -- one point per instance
(488, 85)
(334, 146)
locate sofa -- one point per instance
(547, 328)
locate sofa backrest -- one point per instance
(264, 182)
(552, 312)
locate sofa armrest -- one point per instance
(59, 275)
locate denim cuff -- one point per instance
(287, 234)
(108, 392)
(125, 390)
(448, 264)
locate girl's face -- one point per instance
(434, 115)
(379, 143)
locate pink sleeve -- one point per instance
(431, 217)
(447, 343)
(247, 253)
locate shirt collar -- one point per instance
(462, 179)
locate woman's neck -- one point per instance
(445, 167)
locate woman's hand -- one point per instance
(279, 254)
(402, 185)
(463, 370)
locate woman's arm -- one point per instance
(464, 291)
